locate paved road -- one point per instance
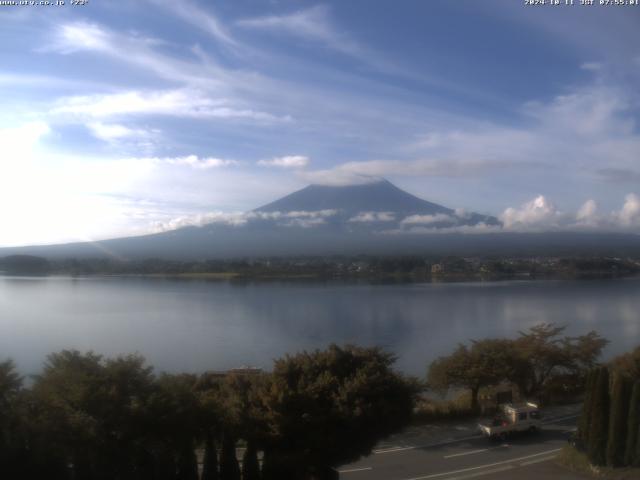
(524, 457)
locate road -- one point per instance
(525, 456)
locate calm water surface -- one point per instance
(188, 325)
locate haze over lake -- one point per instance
(193, 325)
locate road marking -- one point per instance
(537, 460)
(513, 460)
(479, 474)
(472, 452)
(428, 445)
(559, 419)
(455, 440)
(352, 470)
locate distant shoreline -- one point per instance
(398, 269)
(371, 280)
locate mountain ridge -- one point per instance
(376, 218)
(378, 196)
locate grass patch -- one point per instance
(577, 461)
(428, 410)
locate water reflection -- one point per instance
(198, 325)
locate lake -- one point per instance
(195, 325)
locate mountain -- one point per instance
(375, 218)
(378, 202)
(381, 196)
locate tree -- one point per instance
(546, 354)
(69, 403)
(585, 418)
(250, 465)
(95, 412)
(582, 352)
(229, 468)
(628, 363)
(175, 408)
(484, 363)
(12, 442)
(210, 399)
(187, 463)
(242, 417)
(633, 426)
(597, 442)
(329, 407)
(618, 420)
(210, 462)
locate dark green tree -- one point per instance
(547, 354)
(636, 460)
(12, 441)
(274, 466)
(175, 408)
(210, 399)
(229, 467)
(628, 363)
(633, 425)
(597, 445)
(210, 462)
(243, 416)
(585, 417)
(250, 464)
(618, 420)
(94, 413)
(329, 407)
(484, 363)
(187, 464)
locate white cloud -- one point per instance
(75, 37)
(371, 217)
(192, 161)
(588, 213)
(304, 219)
(305, 222)
(429, 219)
(110, 132)
(216, 90)
(537, 214)
(306, 213)
(478, 229)
(355, 173)
(289, 161)
(337, 177)
(311, 24)
(591, 66)
(629, 215)
(18, 143)
(201, 219)
(178, 103)
(542, 215)
(597, 127)
(198, 17)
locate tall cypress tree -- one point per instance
(633, 424)
(617, 435)
(636, 457)
(229, 468)
(210, 462)
(585, 418)
(597, 446)
(187, 463)
(250, 465)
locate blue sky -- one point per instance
(119, 118)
